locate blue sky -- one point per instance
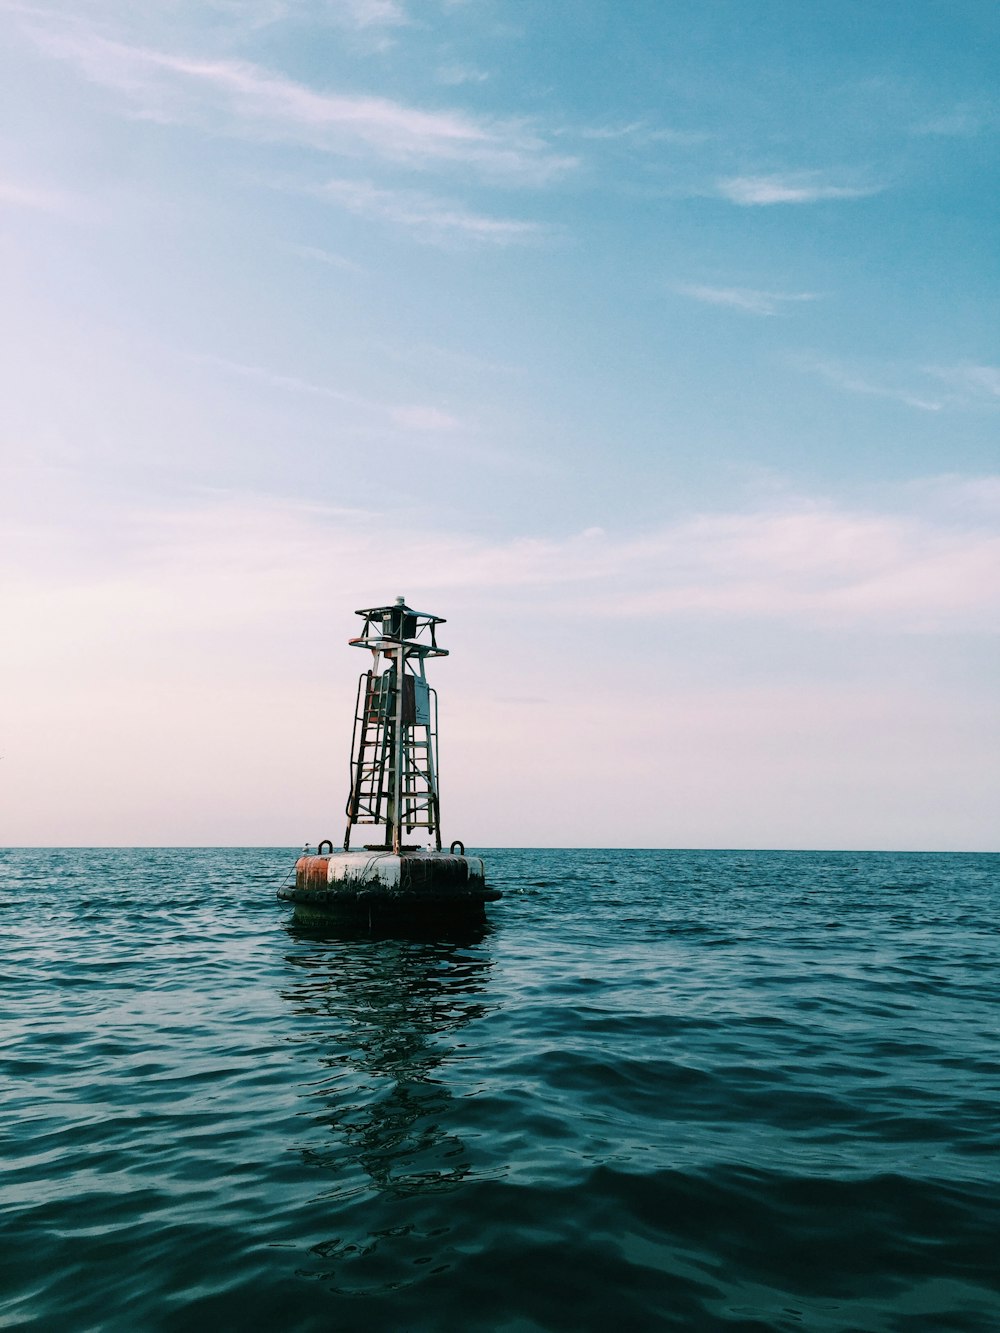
(654, 345)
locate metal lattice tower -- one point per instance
(394, 761)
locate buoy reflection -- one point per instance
(387, 1012)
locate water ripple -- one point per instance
(656, 1090)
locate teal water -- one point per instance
(693, 1090)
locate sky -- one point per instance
(654, 345)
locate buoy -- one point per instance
(394, 786)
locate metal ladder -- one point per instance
(373, 745)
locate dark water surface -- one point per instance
(696, 1090)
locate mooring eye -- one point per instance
(457, 843)
(325, 843)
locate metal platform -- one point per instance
(376, 883)
(394, 786)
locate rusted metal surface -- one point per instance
(311, 872)
(346, 880)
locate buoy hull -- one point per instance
(414, 885)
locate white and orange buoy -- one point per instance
(394, 786)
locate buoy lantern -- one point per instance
(394, 786)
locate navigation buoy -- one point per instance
(394, 785)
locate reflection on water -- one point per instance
(386, 1020)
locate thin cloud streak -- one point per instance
(969, 385)
(972, 381)
(853, 382)
(370, 13)
(238, 97)
(40, 199)
(975, 495)
(961, 122)
(322, 256)
(802, 187)
(421, 417)
(430, 218)
(428, 425)
(640, 133)
(287, 383)
(812, 564)
(748, 299)
(453, 76)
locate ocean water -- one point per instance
(692, 1090)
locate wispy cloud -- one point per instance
(839, 567)
(637, 134)
(805, 561)
(288, 383)
(250, 14)
(927, 388)
(970, 381)
(430, 218)
(237, 97)
(801, 187)
(221, 593)
(321, 256)
(369, 13)
(749, 299)
(854, 381)
(420, 417)
(979, 496)
(416, 417)
(961, 122)
(40, 199)
(454, 365)
(452, 76)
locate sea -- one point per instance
(654, 1090)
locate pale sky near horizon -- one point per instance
(655, 345)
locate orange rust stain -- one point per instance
(310, 872)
